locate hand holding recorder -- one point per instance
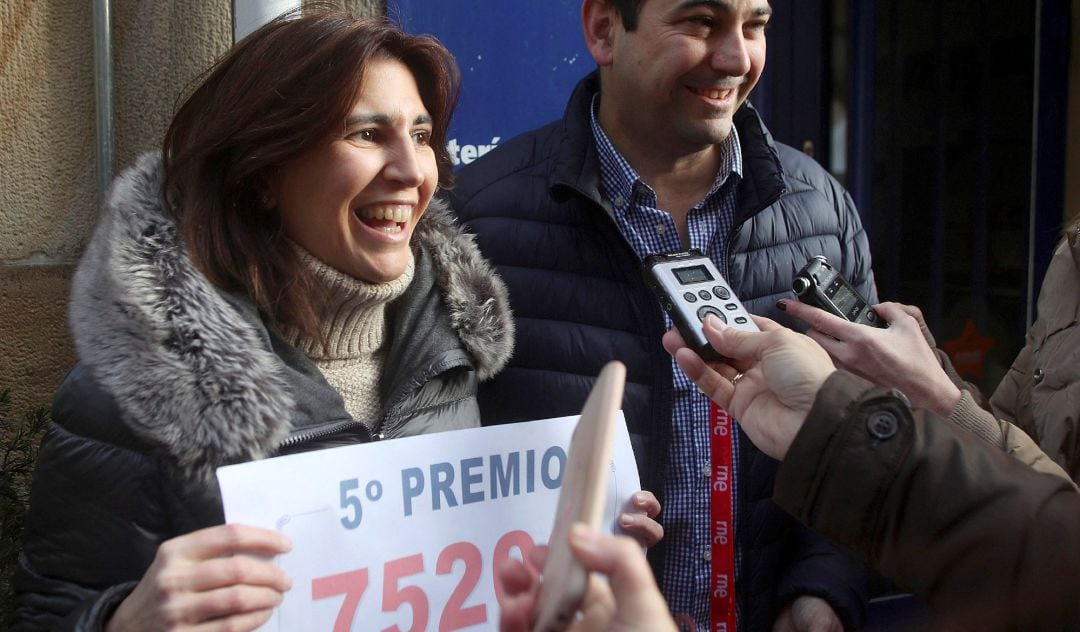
(690, 288)
(781, 372)
(821, 285)
(902, 359)
(898, 357)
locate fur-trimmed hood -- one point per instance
(191, 367)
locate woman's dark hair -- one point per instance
(283, 90)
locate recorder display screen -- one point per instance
(692, 274)
(845, 299)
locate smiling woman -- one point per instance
(354, 202)
(271, 132)
(276, 280)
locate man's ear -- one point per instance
(599, 19)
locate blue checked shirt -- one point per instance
(650, 230)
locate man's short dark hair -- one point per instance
(628, 11)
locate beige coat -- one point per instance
(1041, 391)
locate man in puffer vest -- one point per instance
(659, 151)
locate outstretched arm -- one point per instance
(898, 357)
(986, 541)
(903, 357)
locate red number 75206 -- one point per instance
(455, 614)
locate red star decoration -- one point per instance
(968, 352)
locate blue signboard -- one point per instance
(519, 61)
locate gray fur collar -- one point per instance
(190, 367)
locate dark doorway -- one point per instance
(943, 119)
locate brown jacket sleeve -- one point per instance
(987, 542)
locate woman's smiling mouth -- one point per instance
(386, 218)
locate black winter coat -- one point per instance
(579, 301)
(176, 378)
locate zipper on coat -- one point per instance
(322, 433)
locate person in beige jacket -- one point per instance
(1041, 391)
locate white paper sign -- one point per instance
(406, 532)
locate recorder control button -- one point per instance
(705, 295)
(721, 292)
(740, 320)
(731, 307)
(709, 309)
(690, 297)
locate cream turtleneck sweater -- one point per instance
(353, 327)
